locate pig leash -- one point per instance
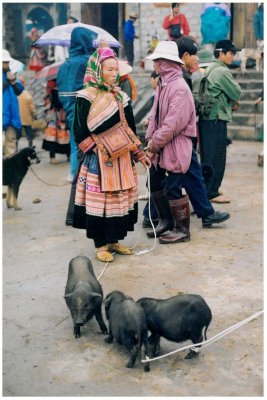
(206, 343)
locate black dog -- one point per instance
(15, 168)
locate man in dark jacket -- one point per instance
(11, 122)
(129, 36)
(69, 81)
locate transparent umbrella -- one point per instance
(49, 72)
(60, 35)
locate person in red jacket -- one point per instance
(176, 23)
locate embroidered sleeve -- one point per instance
(86, 145)
(138, 155)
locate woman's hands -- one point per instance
(146, 162)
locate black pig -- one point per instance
(177, 319)
(83, 294)
(127, 324)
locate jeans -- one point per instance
(29, 133)
(213, 143)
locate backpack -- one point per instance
(204, 102)
(215, 25)
(175, 31)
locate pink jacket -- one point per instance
(171, 137)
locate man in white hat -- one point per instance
(129, 36)
(170, 132)
(10, 109)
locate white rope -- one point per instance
(139, 253)
(105, 267)
(209, 341)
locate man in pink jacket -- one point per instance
(171, 129)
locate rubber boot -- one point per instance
(165, 215)
(181, 215)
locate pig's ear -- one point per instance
(107, 301)
(68, 295)
(95, 295)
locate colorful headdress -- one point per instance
(93, 75)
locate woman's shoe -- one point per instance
(221, 199)
(120, 249)
(102, 254)
(54, 161)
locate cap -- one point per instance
(175, 5)
(226, 45)
(6, 57)
(187, 45)
(166, 49)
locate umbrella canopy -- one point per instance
(60, 35)
(49, 72)
(16, 66)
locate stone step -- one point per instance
(252, 74)
(246, 106)
(250, 94)
(143, 104)
(247, 119)
(250, 84)
(243, 132)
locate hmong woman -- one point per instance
(106, 192)
(56, 134)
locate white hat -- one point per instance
(6, 57)
(133, 15)
(166, 49)
(124, 68)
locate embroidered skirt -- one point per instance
(106, 216)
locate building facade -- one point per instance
(18, 18)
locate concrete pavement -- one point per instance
(223, 264)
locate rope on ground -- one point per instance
(47, 183)
(105, 267)
(206, 343)
(139, 253)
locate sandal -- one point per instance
(102, 254)
(120, 249)
(220, 200)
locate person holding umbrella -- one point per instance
(69, 81)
